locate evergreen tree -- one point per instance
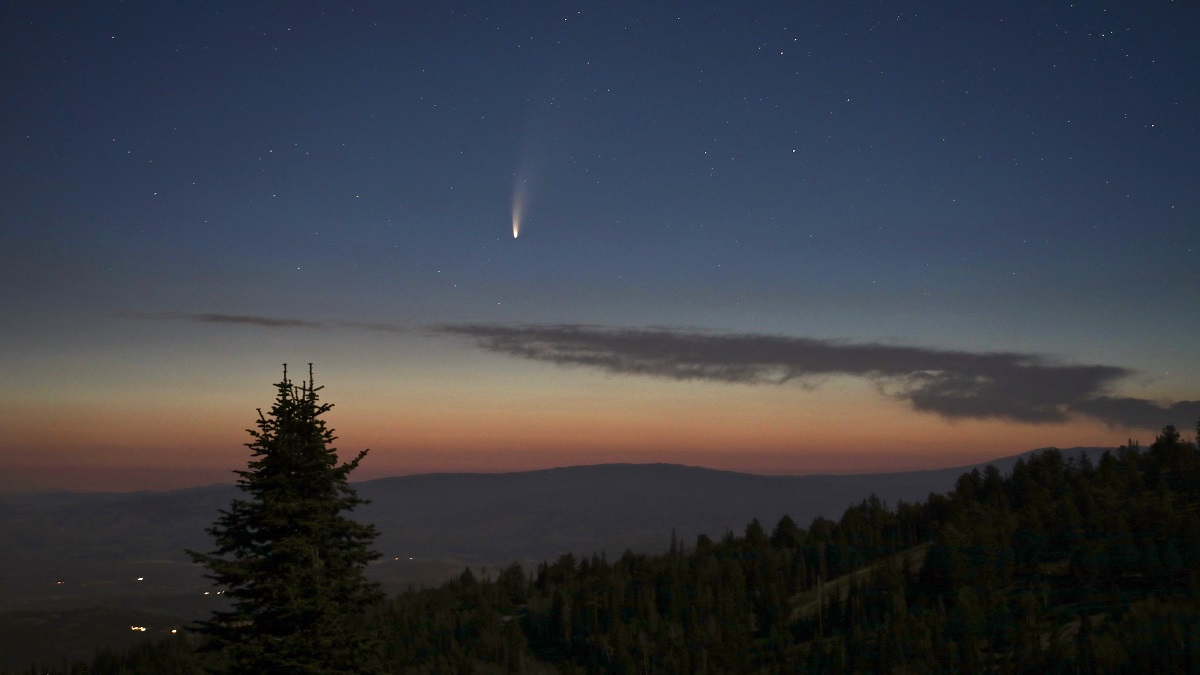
(287, 556)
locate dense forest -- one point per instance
(1063, 565)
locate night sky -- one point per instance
(772, 237)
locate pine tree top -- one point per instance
(286, 555)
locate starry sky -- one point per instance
(776, 237)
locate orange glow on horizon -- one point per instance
(535, 419)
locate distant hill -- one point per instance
(536, 515)
(99, 544)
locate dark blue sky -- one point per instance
(985, 177)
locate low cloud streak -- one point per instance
(1026, 388)
(267, 321)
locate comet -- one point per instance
(520, 188)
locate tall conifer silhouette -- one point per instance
(289, 559)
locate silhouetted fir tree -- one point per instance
(289, 559)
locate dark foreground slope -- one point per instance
(1059, 566)
(98, 545)
(124, 552)
(1056, 566)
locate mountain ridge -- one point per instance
(97, 543)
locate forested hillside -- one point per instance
(1059, 566)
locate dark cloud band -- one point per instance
(954, 384)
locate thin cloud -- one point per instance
(372, 327)
(953, 384)
(267, 321)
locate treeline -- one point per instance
(1061, 566)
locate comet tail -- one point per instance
(518, 206)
